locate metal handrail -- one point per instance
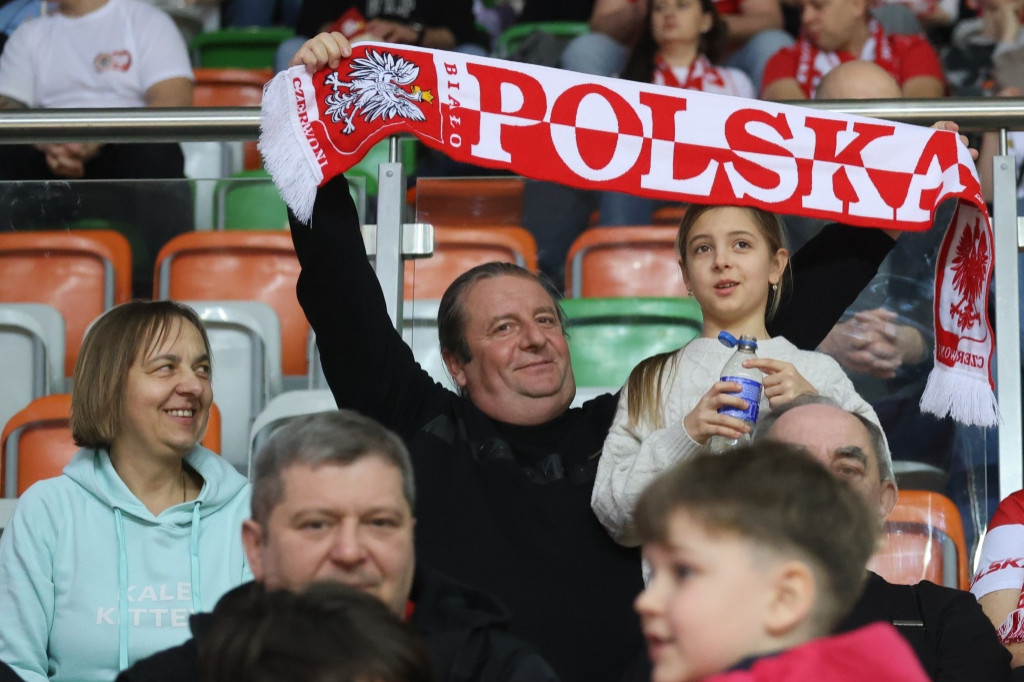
(242, 123)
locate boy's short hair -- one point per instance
(781, 499)
(329, 632)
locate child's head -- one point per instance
(690, 18)
(752, 551)
(755, 241)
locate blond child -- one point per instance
(735, 264)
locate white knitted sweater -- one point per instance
(634, 455)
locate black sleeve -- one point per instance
(829, 273)
(455, 15)
(967, 648)
(367, 364)
(315, 13)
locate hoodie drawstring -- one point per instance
(122, 580)
(194, 558)
(122, 601)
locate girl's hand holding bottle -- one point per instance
(782, 382)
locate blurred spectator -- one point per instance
(327, 632)
(99, 53)
(13, 12)
(260, 12)
(837, 31)
(979, 43)
(754, 33)
(438, 24)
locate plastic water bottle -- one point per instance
(749, 378)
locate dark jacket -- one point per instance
(506, 507)
(947, 629)
(463, 628)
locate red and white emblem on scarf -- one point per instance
(376, 91)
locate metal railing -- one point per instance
(972, 114)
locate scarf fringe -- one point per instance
(964, 398)
(281, 146)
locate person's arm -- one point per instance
(754, 16)
(921, 73)
(779, 79)
(829, 273)
(11, 103)
(367, 365)
(783, 89)
(172, 92)
(388, 31)
(631, 458)
(923, 87)
(27, 588)
(622, 20)
(997, 606)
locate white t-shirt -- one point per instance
(107, 58)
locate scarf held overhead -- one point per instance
(659, 142)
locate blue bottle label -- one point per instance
(751, 392)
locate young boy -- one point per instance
(755, 555)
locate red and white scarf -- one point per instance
(701, 71)
(812, 64)
(660, 142)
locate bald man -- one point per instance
(948, 631)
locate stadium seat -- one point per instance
(512, 37)
(470, 202)
(923, 540)
(368, 167)
(239, 265)
(36, 442)
(624, 261)
(281, 409)
(224, 87)
(32, 348)
(245, 341)
(457, 249)
(251, 47)
(80, 273)
(249, 200)
(609, 336)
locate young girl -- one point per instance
(680, 46)
(734, 262)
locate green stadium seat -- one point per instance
(513, 36)
(251, 47)
(608, 337)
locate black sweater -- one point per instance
(490, 513)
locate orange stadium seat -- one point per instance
(232, 88)
(608, 262)
(469, 202)
(457, 249)
(80, 273)
(923, 540)
(249, 265)
(37, 444)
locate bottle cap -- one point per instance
(730, 341)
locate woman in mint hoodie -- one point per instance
(102, 565)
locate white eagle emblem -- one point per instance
(376, 90)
